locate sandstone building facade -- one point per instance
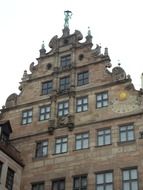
(77, 122)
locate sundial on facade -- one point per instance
(124, 102)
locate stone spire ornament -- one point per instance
(43, 45)
(42, 50)
(89, 36)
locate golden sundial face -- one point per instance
(123, 102)
(123, 95)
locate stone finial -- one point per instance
(66, 32)
(89, 36)
(43, 45)
(119, 64)
(106, 51)
(89, 31)
(25, 76)
(42, 50)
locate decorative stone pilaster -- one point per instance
(53, 105)
(71, 104)
(51, 126)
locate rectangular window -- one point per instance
(61, 145)
(4, 137)
(103, 137)
(38, 186)
(82, 78)
(42, 149)
(47, 87)
(45, 112)
(58, 184)
(27, 117)
(0, 169)
(104, 181)
(82, 141)
(102, 100)
(82, 104)
(65, 61)
(127, 133)
(64, 83)
(9, 179)
(80, 182)
(63, 108)
(130, 179)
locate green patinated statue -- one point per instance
(68, 15)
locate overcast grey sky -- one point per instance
(116, 24)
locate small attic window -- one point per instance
(81, 56)
(5, 130)
(3, 136)
(49, 66)
(65, 60)
(66, 41)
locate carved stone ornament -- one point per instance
(70, 126)
(118, 74)
(11, 100)
(53, 96)
(51, 130)
(79, 35)
(32, 67)
(62, 121)
(97, 50)
(51, 126)
(66, 121)
(53, 44)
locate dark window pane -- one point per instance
(46, 87)
(80, 183)
(130, 179)
(65, 61)
(38, 186)
(104, 181)
(42, 149)
(63, 108)
(64, 83)
(9, 179)
(103, 137)
(58, 184)
(26, 117)
(82, 104)
(82, 141)
(82, 78)
(61, 145)
(0, 168)
(127, 133)
(102, 100)
(45, 113)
